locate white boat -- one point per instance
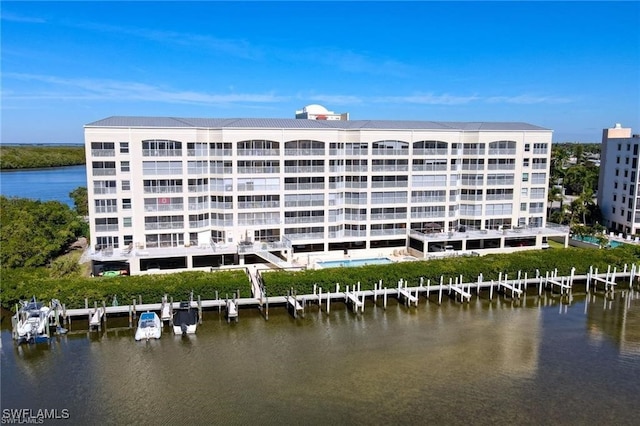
(149, 326)
(32, 322)
(185, 319)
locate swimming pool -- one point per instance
(593, 240)
(355, 262)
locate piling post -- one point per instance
(219, 304)
(134, 309)
(199, 310)
(140, 299)
(64, 316)
(104, 313)
(384, 304)
(86, 306)
(491, 291)
(130, 317)
(440, 293)
(328, 301)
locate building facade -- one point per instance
(176, 193)
(618, 181)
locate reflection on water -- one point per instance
(500, 362)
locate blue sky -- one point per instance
(573, 67)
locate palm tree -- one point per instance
(554, 194)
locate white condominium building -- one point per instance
(190, 193)
(618, 181)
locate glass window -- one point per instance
(124, 147)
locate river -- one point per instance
(48, 184)
(500, 362)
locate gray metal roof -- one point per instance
(293, 123)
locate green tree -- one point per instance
(34, 232)
(80, 200)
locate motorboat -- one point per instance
(32, 322)
(149, 326)
(185, 319)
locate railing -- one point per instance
(504, 151)
(162, 152)
(303, 169)
(162, 189)
(100, 191)
(303, 186)
(510, 166)
(199, 223)
(257, 152)
(198, 188)
(434, 151)
(389, 216)
(106, 209)
(289, 152)
(428, 199)
(306, 236)
(389, 184)
(394, 231)
(198, 206)
(104, 172)
(304, 203)
(166, 225)
(429, 167)
(106, 228)
(257, 170)
(384, 151)
(258, 204)
(103, 152)
(305, 219)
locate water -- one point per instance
(593, 240)
(355, 262)
(496, 363)
(43, 184)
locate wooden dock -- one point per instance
(354, 297)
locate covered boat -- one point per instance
(149, 326)
(185, 319)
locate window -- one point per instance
(124, 147)
(526, 162)
(126, 204)
(525, 177)
(126, 222)
(617, 172)
(527, 147)
(523, 207)
(126, 185)
(124, 166)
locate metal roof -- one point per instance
(293, 123)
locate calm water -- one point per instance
(355, 262)
(495, 363)
(43, 184)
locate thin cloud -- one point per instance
(58, 88)
(428, 99)
(12, 17)
(528, 100)
(110, 90)
(233, 47)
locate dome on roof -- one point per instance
(315, 109)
